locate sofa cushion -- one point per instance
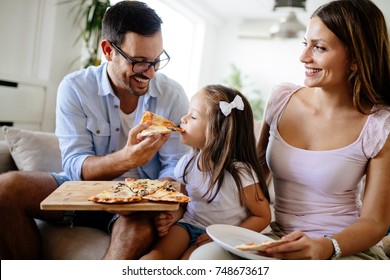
(76, 243)
(6, 161)
(33, 150)
(386, 245)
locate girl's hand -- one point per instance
(301, 247)
(163, 221)
(203, 239)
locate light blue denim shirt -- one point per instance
(88, 123)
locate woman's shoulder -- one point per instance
(280, 94)
(377, 131)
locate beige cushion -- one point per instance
(33, 150)
(6, 161)
(386, 245)
(77, 243)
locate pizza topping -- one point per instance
(145, 186)
(137, 189)
(167, 194)
(118, 193)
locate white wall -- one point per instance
(264, 62)
(37, 47)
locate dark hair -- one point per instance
(129, 16)
(361, 27)
(229, 140)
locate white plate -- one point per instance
(228, 237)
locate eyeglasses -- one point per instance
(142, 66)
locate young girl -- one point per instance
(221, 176)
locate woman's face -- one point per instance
(195, 122)
(324, 56)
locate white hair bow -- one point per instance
(226, 107)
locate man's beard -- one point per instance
(131, 88)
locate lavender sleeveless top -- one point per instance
(317, 191)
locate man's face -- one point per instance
(139, 49)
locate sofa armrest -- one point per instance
(6, 161)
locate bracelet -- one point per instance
(336, 247)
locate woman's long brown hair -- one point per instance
(361, 27)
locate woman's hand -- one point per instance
(301, 247)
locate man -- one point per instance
(97, 112)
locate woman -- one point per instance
(323, 141)
(319, 141)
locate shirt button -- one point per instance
(117, 129)
(116, 106)
(98, 131)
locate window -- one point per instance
(181, 41)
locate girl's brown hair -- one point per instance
(361, 27)
(229, 140)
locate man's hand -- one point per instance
(140, 151)
(137, 152)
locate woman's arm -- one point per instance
(374, 219)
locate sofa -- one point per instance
(38, 151)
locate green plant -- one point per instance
(88, 17)
(237, 80)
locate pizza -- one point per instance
(167, 193)
(133, 190)
(262, 247)
(119, 193)
(145, 186)
(158, 125)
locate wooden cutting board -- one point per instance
(73, 195)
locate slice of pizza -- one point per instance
(158, 125)
(167, 193)
(262, 247)
(119, 193)
(145, 186)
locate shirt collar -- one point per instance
(105, 86)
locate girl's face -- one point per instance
(195, 122)
(325, 57)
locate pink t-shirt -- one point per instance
(317, 191)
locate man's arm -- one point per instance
(135, 153)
